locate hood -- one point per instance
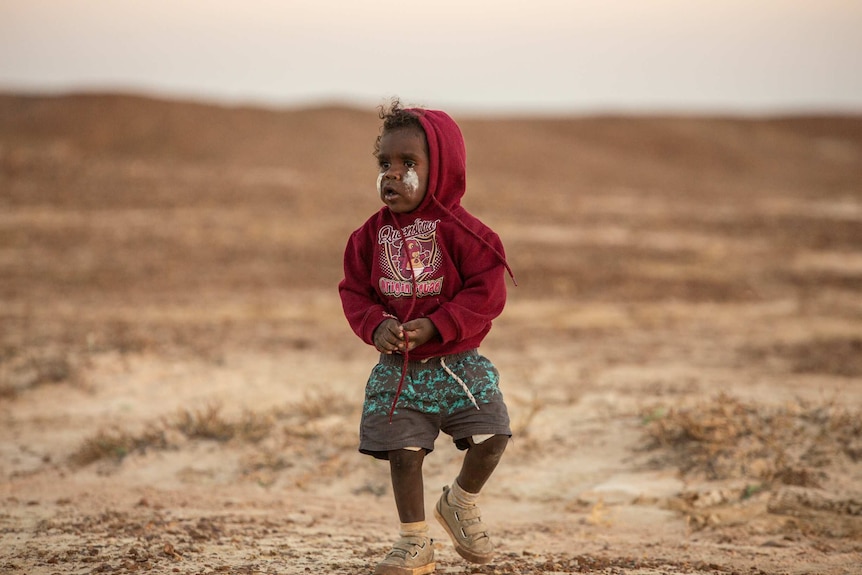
(447, 173)
(447, 158)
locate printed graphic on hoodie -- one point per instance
(418, 261)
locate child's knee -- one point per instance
(492, 446)
(406, 459)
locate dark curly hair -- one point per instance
(395, 117)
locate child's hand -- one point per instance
(389, 337)
(418, 331)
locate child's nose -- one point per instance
(392, 173)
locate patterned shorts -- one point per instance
(431, 400)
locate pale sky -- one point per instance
(483, 56)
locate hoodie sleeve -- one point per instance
(362, 307)
(481, 298)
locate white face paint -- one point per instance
(411, 180)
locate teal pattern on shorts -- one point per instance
(428, 388)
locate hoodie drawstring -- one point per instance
(406, 352)
(487, 244)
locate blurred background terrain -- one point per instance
(178, 387)
(679, 189)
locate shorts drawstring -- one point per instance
(459, 380)
(407, 365)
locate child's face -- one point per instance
(403, 160)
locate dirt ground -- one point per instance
(180, 393)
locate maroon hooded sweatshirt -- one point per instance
(451, 270)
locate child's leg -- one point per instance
(405, 468)
(480, 462)
(413, 553)
(456, 509)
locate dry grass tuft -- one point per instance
(763, 465)
(725, 438)
(209, 423)
(115, 444)
(20, 372)
(304, 421)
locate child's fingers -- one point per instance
(388, 346)
(389, 337)
(412, 326)
(394, 329)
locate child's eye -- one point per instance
(410, 164)
(384, 165)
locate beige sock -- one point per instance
(418, 528)
(461, 498)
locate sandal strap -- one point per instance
(474, 529)
(408, 546)
(465, 514)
